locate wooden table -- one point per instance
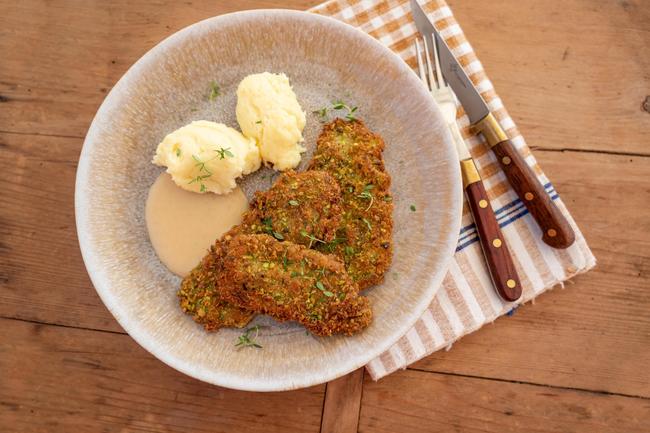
(578, 360)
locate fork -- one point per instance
(497, 256)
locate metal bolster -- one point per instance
(469, 172)
(491, 130)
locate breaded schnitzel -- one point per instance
(291, 282)
(353, 156)
(298, 208)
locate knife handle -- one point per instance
(500, 264)
(557, 230)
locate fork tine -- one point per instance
(441, 80)
(418, 55)
(432, 79)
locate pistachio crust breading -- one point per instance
(299, 207)
(200, 298)
(291, 282)
(353, 156)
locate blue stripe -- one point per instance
(471, 228)
(517, 202)
(472, 236)
(508, 206)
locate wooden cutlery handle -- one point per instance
(500, 264)
(557, 230)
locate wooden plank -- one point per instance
(342, 404)
(410, 401)
(573, 74)
(59, 379)
(42, 275)
(595, 334)
(560, 85)
(61, 58)
(43, 278)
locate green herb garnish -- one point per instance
(200, 164)
(222, 153)
(214, 91)
(340, 105)
(413, 208)
(367, 223)
(366, 194)
(321, 287)
(178, 152)
(200, 177)
(311, 238)
(268, 228)
(333, 243)
(245, 340)
(293, 202)
(322, 113)
(259, 122)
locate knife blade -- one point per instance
(556, 230)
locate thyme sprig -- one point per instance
(222, 153)
(338, 105)
(311, 238)
(245, 340)
(366, 194)
(202, 169)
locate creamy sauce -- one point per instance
(182, 225)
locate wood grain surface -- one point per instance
(574, 76)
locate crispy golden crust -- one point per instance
(291, 282)
(353, 156)
(200, 298)
(298, 208)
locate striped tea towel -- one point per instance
(467, 299)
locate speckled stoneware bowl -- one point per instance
(168, 88)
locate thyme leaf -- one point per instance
(214, 91)
(245, 340)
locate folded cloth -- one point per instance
(467, 299)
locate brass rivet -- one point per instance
(483, 204)
(506, 160)
(496, 243)
(529, 196)
(511, 283)
(552, 233)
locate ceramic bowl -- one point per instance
(167, 88)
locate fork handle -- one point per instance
(497, 256)
(557, 231)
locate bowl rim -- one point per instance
(99, 276)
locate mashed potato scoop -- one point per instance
(269, 112)
(206, 156)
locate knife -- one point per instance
(557, 231)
